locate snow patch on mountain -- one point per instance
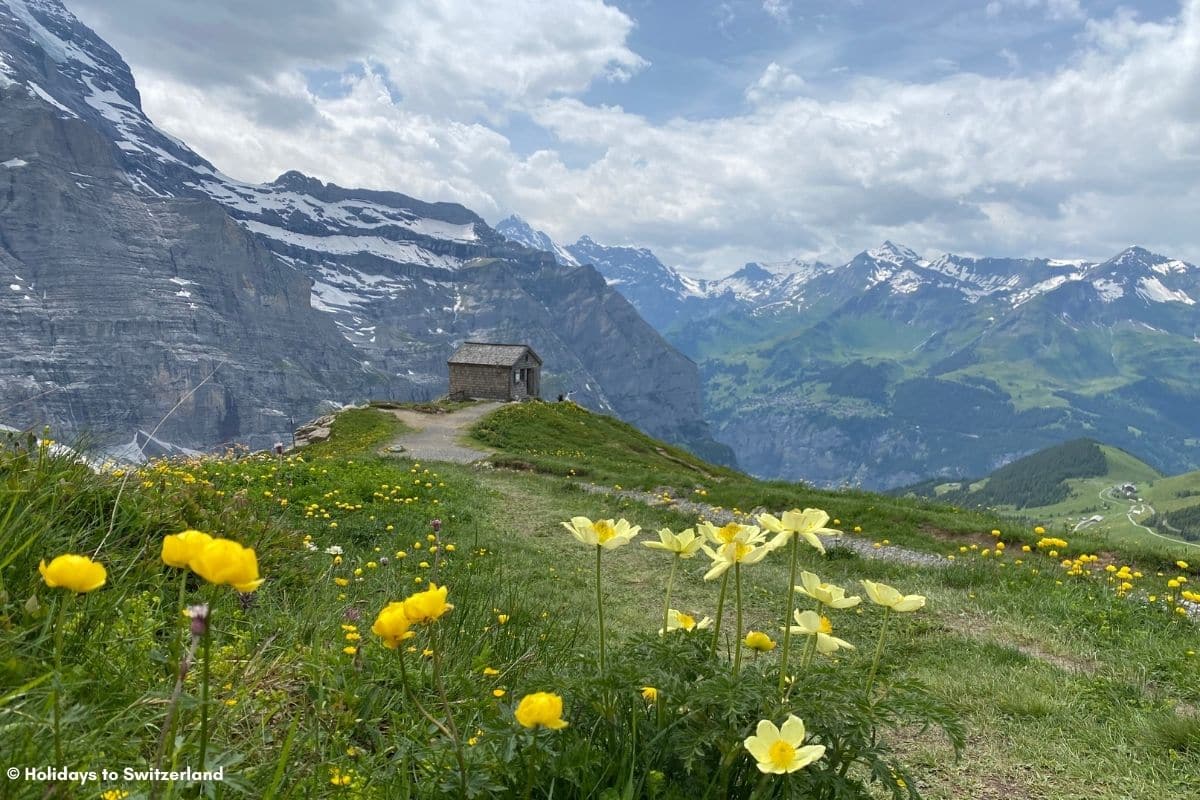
(1174, 266)
(59, 50)
(253, 200)
(340, 244)
(7, 74)
(1153, 290)
(1108, 290)
(1042, 287)
(38, 91)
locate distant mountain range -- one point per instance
(892, 368)
(135, 276)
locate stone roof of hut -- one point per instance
(491, 354)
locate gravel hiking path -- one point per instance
(855, 542)
(438, 437)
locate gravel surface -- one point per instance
(437, 437)
(854, 542)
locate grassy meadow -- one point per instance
(1039, 674)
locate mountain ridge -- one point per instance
(394, 282)
(846, 357)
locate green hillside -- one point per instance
(1022, 666)
(953, 387)
(1077, 486)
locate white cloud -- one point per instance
(1078, 162)
(470, 57)
(1051, 9)
(779, 9)
(775, 82)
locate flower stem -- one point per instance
(810, 650)
(168, 730)
(529, 766)
(787, 617)
(205, 646)
(878, 650)
(720, 612)
(600, 607)
(667, 602)
(440, 683)
(737, 652)
(437, 723)
(59, 624)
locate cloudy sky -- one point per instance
(713, 131)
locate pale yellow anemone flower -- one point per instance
(779, 751)
(603, 532)
(825, 593)
(726, 534)
(884, 595)
(746, 551)
(807, 524)
(684, 544)
(810, 623)
(679, 621)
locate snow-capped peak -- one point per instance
(894, 253)
(753, 272)
(516, 229)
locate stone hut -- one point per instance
(495, 371)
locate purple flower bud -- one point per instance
(437, 525)
(199, 615)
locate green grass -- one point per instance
(357, 430)
(1065, 688)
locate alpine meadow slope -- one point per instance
(132, 270)
(305, 680)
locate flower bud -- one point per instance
(199, 616)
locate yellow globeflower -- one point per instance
(825, 593)
(884, 595)
(649, 694)
(179, 549)
(427, 606)
(541, 709)
(683, 544)
(1181, 564)
(757, 640)
(392, 625)
(223, 561)
(77, 573)
(603, 532)
(782, 750)
(810, 624)
(679, 621)
(807, 524)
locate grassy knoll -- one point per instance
(1063, 685)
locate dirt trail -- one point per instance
(438, 437)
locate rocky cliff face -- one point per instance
(137, 269)
(115, 304)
